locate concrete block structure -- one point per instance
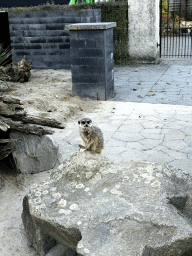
(92, 63)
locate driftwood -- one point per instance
(11, 110)
(13, 117)
(17, 71)
(41, 121)
(26, 128)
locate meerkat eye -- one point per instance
(88, 122)
(83, 122)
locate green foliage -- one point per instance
(113, 12)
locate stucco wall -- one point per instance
(143, 30)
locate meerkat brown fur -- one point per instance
(92, 136)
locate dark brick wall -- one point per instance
(42, 37)
(92, 63)
(28, 3)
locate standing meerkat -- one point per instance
(92, 136)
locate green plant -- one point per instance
(50, 3)
(113, 12)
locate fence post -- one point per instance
(143, 30)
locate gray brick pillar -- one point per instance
(92, 65)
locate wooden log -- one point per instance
(11, 110)
(11, 107)
(42, 121)
(10, 100)
(26, 128)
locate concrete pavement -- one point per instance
(149, 119)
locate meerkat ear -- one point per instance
(78, 122)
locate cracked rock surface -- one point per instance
(100, 208)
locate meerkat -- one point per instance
(92, 136)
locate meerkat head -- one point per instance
(85, 122)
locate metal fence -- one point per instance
(175, 28)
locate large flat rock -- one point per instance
(99, 208)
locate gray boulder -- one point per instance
(99, 208)
(33, 153)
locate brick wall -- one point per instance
(42, 37)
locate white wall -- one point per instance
(143, 18)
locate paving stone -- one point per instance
(175, 144)
(130, 128)
(186, 150)
(150, 143)
(109, 127)
(159, 156)
(188, 140)
(173, 136)
(152, 133)
(115, 143)
(127, 136)
(184, 164)
(175, 154)
(187, 130)
(136, 145)
(134, 154)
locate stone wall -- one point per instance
(43, 38)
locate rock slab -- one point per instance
(33, 153)
(98, 208)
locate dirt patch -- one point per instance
(48, 93)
